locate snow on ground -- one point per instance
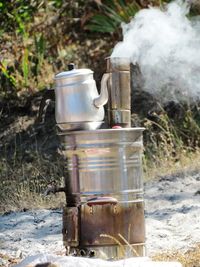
(172, 206)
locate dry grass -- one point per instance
(186, 162)
(191, 258)
(31, 201)
(25, 186)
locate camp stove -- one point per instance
(104, 212)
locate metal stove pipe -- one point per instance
(119, 90)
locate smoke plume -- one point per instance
(166, 45)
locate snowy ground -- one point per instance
(172, 221)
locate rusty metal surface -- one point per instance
(112, 220)
(101, 227)
(71, 224)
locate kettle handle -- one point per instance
(102, 201)
(102, 99)
(49, 96)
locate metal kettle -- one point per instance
(78, 106)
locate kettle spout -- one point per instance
(102, 99)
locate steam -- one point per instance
(166, 45)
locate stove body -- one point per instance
(104, 212)
(104, 215)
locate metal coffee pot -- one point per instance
(78, 106)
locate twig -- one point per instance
(127, 243)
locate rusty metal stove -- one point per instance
(105, 192)
(104, 212)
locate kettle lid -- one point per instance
(72, 73)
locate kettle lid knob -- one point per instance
(71, 66)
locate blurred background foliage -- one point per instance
(39, 38)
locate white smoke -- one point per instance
(166, 45)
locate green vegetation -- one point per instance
(112, 14)
(39, 38)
